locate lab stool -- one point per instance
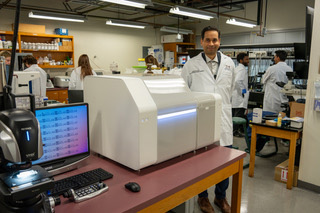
(243, 122)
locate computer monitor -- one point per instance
(18, 62)
(300, 51)
(75, 96)
(65, 137)
(301, 69)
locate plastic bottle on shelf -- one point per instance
(279, 122)
(9, 44)
(71, 61)
(46, 60)
(1, 44)
(40, 61)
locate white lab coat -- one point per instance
(39, 87)
(199, 78)
(241, 82)
(272, 96)
(76, 83)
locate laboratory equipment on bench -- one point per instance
(142, 120)
(290, 88)
(86, 192)
(61, 81)
(22, 186)
(24, 82)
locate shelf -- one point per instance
(185, 44)
(265, 57)
(252, 46)
(57, 55)
(8, 49)
(54, 51)
(182, 53)
(6, 32)
(45, 35)
(56, 66)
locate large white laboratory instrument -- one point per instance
(25, 82)
(143, 120)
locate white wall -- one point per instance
(309, 163)
(95, 38)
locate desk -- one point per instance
(163, 186)
(291, 134)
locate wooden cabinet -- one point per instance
(40, 45)
(179, 49)
(58, 94)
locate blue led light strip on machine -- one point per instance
(176, 114)
(28, 135)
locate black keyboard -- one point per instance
(80, 180)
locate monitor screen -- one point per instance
(258, 80)
(301, 69)
(65, 136)
(75, 96)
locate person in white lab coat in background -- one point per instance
(273, 98)
(277, 73)
(240, 94)
(78, 75)
(40, 88)
(213, 72)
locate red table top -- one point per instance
(157, 182)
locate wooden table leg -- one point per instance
(292, 154)
(252, 150)
(236, 189)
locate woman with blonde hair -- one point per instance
(78, 75)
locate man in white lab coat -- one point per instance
(213, 72)
(240, 94)
(277, 73)
(39, 87)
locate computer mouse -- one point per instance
(133, 186)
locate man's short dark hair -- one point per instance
(241, 56)
(209, 28)
(281, 54)
(29, 59)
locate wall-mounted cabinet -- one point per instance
(56, 47)
(179, 49)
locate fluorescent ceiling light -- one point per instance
(241, 23)
(122, 23)
(138, 4)
(186, 11)
(175, 30)
(56, 16)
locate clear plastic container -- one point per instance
(113, 67)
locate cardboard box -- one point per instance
(257, 115)
(31, 28)
(281, 173)
(65, 48)
(296, 109)
(66, 43)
